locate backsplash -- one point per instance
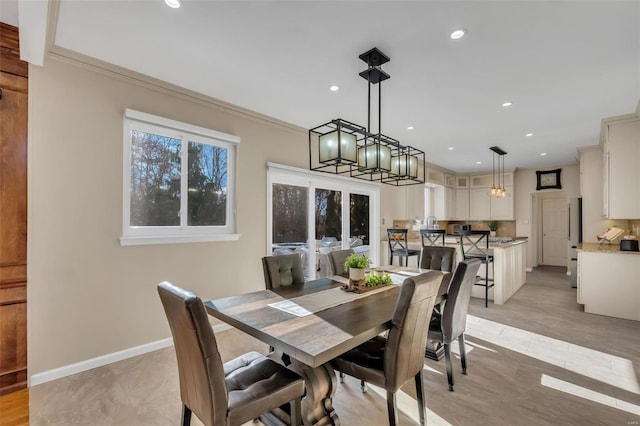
(634, 227)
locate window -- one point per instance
(178, 182)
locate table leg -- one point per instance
(434, 350)
(321, 383)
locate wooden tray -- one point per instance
(359, 289)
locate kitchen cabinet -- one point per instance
(462, 181)
(450, 203)
(462, 204)
(479, 204)
(502, 207)
(620, 138)
(449, 180)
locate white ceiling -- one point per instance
(564, 64)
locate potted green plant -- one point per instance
(493, 227)
(355, 265)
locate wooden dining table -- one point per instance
(313, 323)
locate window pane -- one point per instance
(155, 180)
(289, 215)
(328, 216)
(359, 213)
(207, 200)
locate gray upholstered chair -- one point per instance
(336, 260)
(227, 394)
(451, 325)
(282, 270)
(437, 258)
(390, 362)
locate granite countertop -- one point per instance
(517, 241)
(604, 248)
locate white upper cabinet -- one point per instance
(462, 204)
(621, 158)
(479, 204)
(502, 207)
(449, 180)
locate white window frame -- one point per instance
(278, 173)
(140, 235)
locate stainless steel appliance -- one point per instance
(575, 236)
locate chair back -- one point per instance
(282, 270)
(336, 260)
(200, 369)
(454, 312)
(397, 239)
(474, 244)
(407, 338)
(437, 258)
(432, 237)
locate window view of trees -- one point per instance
(156, 182)
(359, 213)
(289, 213)
(328, 214)
(207, 200)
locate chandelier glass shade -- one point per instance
(498, 189)
(340, 146)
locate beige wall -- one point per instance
(526, 197)
(88, 296)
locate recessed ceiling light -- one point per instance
(507, 104)
(478, 162)
(529, 134)
(174, 4)
(334, 88)
(410, 128)
(450, 148)
(543, 153)
(458, 33)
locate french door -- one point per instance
(313, 213)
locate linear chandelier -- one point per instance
(498, 190)
(342, 147)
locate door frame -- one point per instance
(536, 232)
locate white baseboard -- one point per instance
(79, 367)
(528, 269)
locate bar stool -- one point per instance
(399, 246)
(475, 245)
(430, 237)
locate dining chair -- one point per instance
(336, 260)
(399, 245)
(451, 324)
(475, 245)
(228, 394)
(437, 258)
(389, 362)
(282, 271)
(432, 237)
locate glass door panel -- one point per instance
(359, 231)
(328, 226)
(289, 222)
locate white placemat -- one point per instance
(316, 302)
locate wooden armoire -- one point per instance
(13, 212)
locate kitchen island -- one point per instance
(608, 281)
(509, 266)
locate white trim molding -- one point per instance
(89, 364)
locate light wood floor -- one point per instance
(525, 378)
(14, 408)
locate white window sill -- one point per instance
(176, 239)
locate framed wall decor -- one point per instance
(549, 179)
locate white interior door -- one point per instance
(555, 230)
